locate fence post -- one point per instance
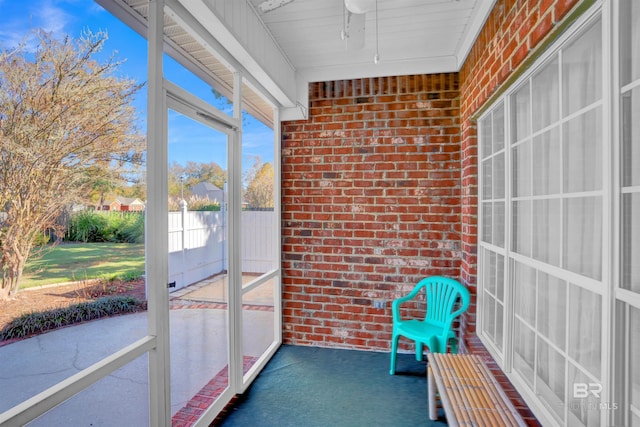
(183, 221)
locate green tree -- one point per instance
(259, 185)
(65, 121)
(193, 173)
(101, 188)
(177, 180)
(106, 183)
(135, 189)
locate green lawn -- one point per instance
(79, 261)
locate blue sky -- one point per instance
(187, 140)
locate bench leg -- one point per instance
(431, 392)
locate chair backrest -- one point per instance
(441, 294)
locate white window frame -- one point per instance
(610, 290)
(497, 354)
(624, 299)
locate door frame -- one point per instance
(187, 104)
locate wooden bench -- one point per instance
(470, 394)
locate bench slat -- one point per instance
(509, 410)
(469, 392)
(466, 399)
(480, 400)
(444, 383)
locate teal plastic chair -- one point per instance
(434, 330)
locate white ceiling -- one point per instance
(280, 51)
(414, 36)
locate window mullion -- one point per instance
(508, 238)
(610, 73)
(562, 189)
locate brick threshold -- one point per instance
(177, 304)
(193, 410)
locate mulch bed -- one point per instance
(58, 296)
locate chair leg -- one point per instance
(434, 345)
(418, 351)
(454, 346)
(394, 348)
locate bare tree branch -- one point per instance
(66, 122)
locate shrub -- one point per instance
(86, 226)
(39, 322)
(41, 239)
(207, 208)
(131, 275)
(194, 203)
(109, 232)
(107, 284)
(131, 229)
(115, 227)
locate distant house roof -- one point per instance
(208, 190)
(128, 201)
(123, 203)
(206, 186)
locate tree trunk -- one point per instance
(13, 263)
(5, 284)
(11, 280)
(21, 254)
(14, 281)
(4, 292)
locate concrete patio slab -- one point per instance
(215, 290)
(198, 353)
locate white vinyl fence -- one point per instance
(258, 241)
(198, 244)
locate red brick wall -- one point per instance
(371, 204)
(379, 186)
(511, 33)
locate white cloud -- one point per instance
(10, 38)
(52, 17)
(16, 22)
(258, 142)
(94, 8)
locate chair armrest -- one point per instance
(395, 306)
(464, 306)
(452, 317)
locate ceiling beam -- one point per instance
(444, 64)
(238, 28)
